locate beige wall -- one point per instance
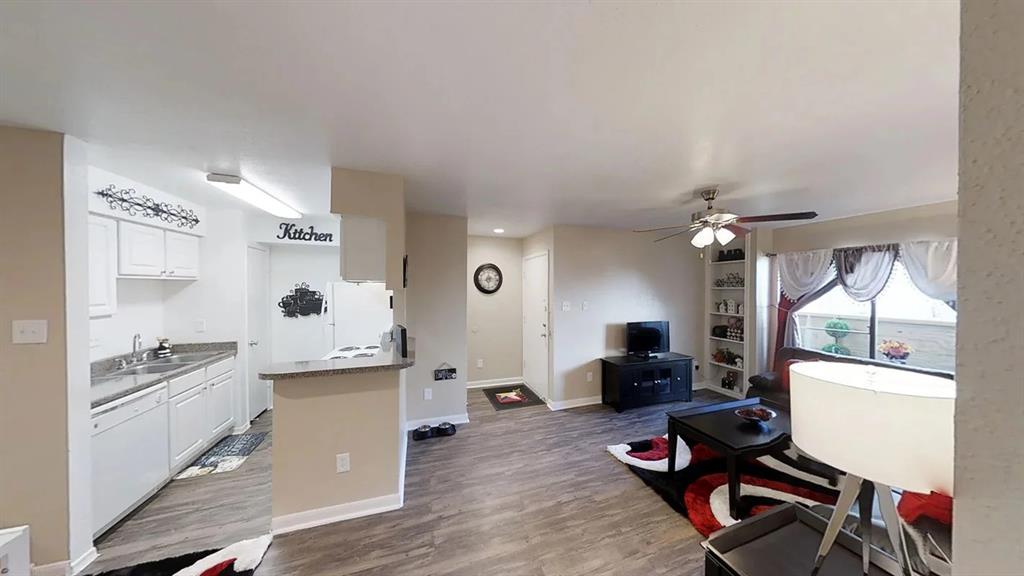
(929, 222)
(378, 196)
(33, 378)
(988, 533)
(318, 418)
(621, 277)
(496, 320)
(436, 313)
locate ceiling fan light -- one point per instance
(724, 235)
(704, 237)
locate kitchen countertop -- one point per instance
(107, 387)
(382, 362)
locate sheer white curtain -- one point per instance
(931, 266)
(801, 273)
(804, 277)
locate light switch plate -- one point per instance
(428, 393)
(479, 362)
(566, 306)
(28, 331)
(590, 376)
(200, 326)
(344, 463)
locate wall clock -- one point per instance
(487, 278)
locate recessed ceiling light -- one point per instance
(499, 230)
(246, 192)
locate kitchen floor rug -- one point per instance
(508, 397)
(225, 456)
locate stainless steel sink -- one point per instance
(185, 358)
(147, 369)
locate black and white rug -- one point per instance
(225, 456)
(509, 397)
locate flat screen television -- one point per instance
(646, 338)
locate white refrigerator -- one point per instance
(356, 315)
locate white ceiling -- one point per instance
(517, 115)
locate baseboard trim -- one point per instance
(62, 568)
(453, 418)
(554, 405)
(84, 560)
(494, 382)
(331, 514)
(700, 386)
(241, 429)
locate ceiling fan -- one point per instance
(717, 224)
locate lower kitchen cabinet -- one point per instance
(189, 430)
(220, 406)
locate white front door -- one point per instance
(536, 332)
(257, 312)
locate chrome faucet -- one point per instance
(136, 346)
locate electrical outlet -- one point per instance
(696, 367)
(428, 393)
(566, 306)
(584, 306)
(344, 463)
(199, 325)
(590, 376)
(479, 362)
(28, 332)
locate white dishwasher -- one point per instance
(129, 454)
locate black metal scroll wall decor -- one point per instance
(301, 301)
(135, 204)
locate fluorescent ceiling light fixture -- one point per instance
(246, 192)
(499, 230)
(724, 235)
(705, 237)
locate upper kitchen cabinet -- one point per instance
(148, 252)
(102, 266)
(181, 255)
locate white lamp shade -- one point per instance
(724, 235)
(704, 237)
(882, 424)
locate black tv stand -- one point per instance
(631, 381)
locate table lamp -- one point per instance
(883, 427)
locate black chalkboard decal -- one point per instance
(301, 301)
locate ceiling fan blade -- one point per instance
(737, 230)
(660, 228)
(672, 235)
(777, 217)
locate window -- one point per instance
(906, 322)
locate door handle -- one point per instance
(254, 342)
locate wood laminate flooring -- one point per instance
(525, 492)
(195, 514)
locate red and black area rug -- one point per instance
(700, 491)
(239, 559)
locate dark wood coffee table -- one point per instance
(718, 427)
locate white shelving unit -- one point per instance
(715, 371)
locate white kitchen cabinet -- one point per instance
(102, 266)
(148, 252)
(181, 255)
(364, 249)
(189, 430)
(140, 250)
(220, 405)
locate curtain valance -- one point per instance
(932, 267)
(864, 271)
(804, 272)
